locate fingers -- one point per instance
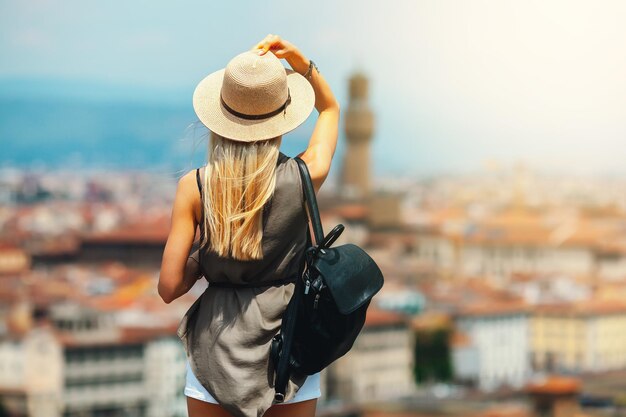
(270, 42)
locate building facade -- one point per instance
(378, 367)
(83, 364)
(497, 348)
(579, 337)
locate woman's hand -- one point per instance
(285, 50)
(279, 47)
(323, 142)
(192, 269)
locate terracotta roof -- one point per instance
(468, 296)
(583, 308)
(502, 411)
(130, 235)
(529, 228)
(555, 385)
(126, 295)
(441, 215)
(616, 247)
(123, 336)
(65, 245)
(377, 317)
(12, 391)
(460, 339)
(493, 308)
(508, 236)
(379, 238)
(143, 334)
(383, 413)
(6, 246)
(352, 211)
(430, 321)
(524, 277)
(152, 231)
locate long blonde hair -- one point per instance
(239, 179)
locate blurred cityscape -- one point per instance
(504, 292)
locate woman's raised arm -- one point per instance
(319, 153)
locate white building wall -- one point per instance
(465, 362)
(503, 349)
(43, 372)
(501, 261)
(34, 364)
(612, 268)
(164, 363)
(378, 367)
(11, 363)
(570, 260)
(592, 359)
(437, 251)
(88, 365)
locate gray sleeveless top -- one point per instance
(227, 332)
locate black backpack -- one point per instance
(327, 310)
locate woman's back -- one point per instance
(284, 234)
(228, 331)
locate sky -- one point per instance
(455, 85)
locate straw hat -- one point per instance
(254, 98)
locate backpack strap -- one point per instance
(199, 182)
(201, 203)
(282, 342)
(311, 200)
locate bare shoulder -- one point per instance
(188, 178)
(188, 194)
(188, 186)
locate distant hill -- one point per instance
(56, 132)
(89, 90)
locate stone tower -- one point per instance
(359, 128)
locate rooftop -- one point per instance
(555, 385)
(377, 318)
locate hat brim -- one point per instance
(208, 106)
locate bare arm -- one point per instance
(323, 142)
(180, 270)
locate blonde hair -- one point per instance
(239, 179)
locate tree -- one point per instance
(432, 360)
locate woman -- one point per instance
(248, 202)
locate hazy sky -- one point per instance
(454, 83)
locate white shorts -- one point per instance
(309, 390)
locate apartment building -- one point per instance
(81, 363)
(586, 336)
(493, 346)
(520, 241)
(379, 366)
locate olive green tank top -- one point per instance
(227, 332)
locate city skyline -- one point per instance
(478, 164)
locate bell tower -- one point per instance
(359, 126)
